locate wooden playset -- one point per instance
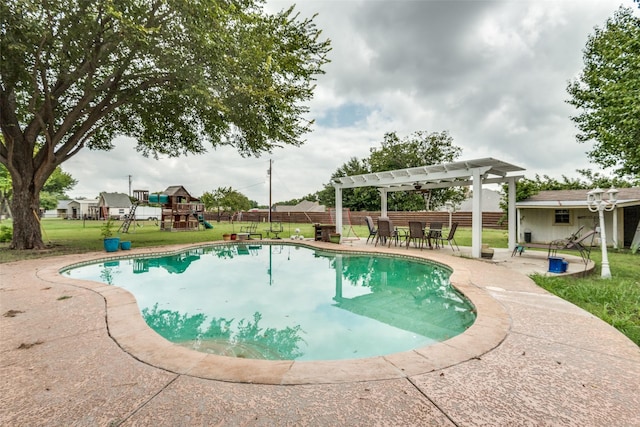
(180, 211)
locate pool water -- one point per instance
(289, 302)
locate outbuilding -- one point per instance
(552, 215)
(113, 205)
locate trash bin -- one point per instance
(557, 265)
(527, 237)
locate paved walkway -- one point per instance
(72, 354)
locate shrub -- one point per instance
(6, 233)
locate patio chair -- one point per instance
(435, 233)
(450, 237)
(386, 231)
(372, 228)
(417, 234)
(575, 243)
(275, 228)
(250, 230)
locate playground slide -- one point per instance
(203, 222)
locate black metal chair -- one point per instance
(275, 228)
(435, 233)
(450, 237)
(417, 234)
(386, 232)
(372, 228)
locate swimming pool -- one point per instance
(284, 301)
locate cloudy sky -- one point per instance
(492, 73)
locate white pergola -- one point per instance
(457, 174)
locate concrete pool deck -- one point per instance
(73, 353)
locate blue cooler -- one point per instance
(557, 264)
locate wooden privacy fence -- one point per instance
(490, 220)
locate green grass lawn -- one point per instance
(615, 300)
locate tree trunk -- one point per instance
(26, 220)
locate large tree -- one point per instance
(607, 93)
(418, 149)
(176, 75)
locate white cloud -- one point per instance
(492, 73)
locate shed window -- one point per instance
(562, 216)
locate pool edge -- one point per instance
(127, 328)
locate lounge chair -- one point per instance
(372, 228)
(417, 234)
(582, 244)
(250, 230)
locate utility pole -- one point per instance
(130, 184)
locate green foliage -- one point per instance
(59, 182)
(106, 230)
(225, 199)
(5, 233)
(176, 76)
(418, 149)
(48, 201)
(5, 181)
(608, 94)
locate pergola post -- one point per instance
(383, 202)
(476, 215)
(338, 209)
(511, 213)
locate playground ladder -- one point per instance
(124, 227)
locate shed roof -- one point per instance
(62, 204)
(114, 200)
(576, 198)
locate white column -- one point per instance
(476, 216)
(511, 212)
(339, 210)
(606, 271)
(615, 228)
(383, 201)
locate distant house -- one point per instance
(113, 205)
(61, 210)
(78, 209)
(551, 215)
